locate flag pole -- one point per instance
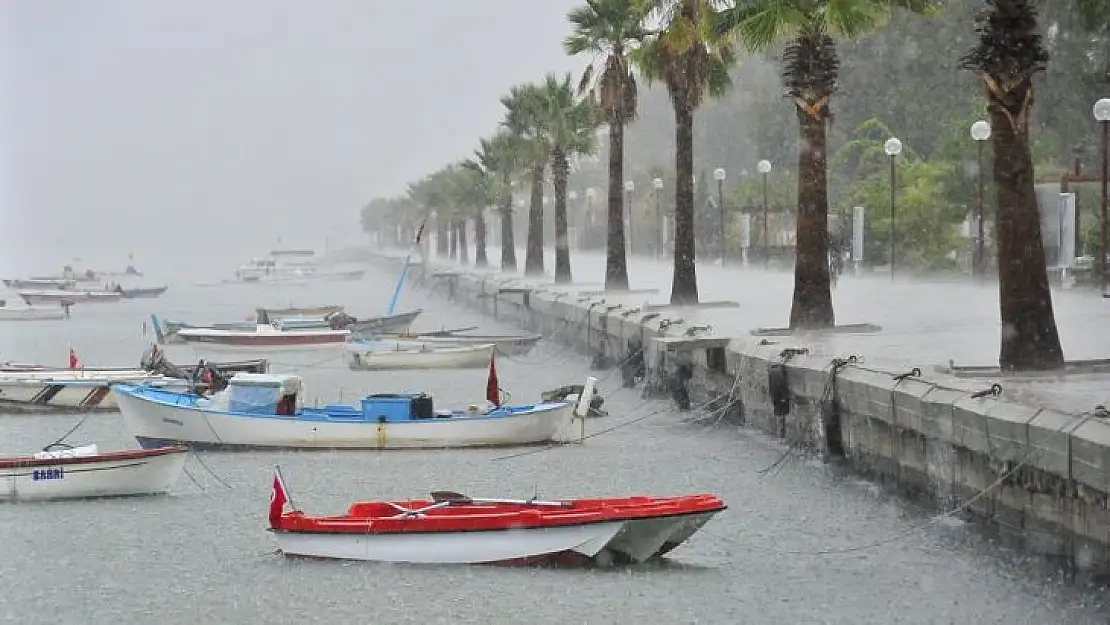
(281, 478)
(405, 269)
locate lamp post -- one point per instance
(1102, 116)
(764, 167)
(980, 132)
(629, 187)
(892, 147)
(657, 183)
(719, 175)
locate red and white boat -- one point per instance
(455, 529)
(264, 336)
(84, 472)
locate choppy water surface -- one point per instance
(202, 555)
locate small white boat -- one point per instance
(390, 355)
(451, 528)
(38, 389)
(73, 297)
(30, 313)
(263, 337)
(267, 411)
(83, 472)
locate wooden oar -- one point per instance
(453, 498)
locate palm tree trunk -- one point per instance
(812, 306)
(533, 257)
(508, 241)
(453, 237)
(684, 285)
(464, 252)
(1029, 337)
(560, 171)
(480, 260)
(442, 238)
(616, 263)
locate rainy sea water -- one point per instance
(203, 555)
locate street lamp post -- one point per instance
(719, 175)
(1102, 115)
(980, 132)
(892, 147)
(657, 183)
(764, 167)
(629, 187)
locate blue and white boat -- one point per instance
(264, 410)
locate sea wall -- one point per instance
(1038, 477)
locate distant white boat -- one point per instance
(30, 313)
(390, 355)
(59, 296)
(83, 472)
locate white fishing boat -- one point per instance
(84, 472)
(267, 411)
(264, 337)
(37, 389)
(73, 297)
(451, 528)
(388, 355)
(30, 313)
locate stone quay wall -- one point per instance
(1037, 476)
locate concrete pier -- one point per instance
(1038, 475)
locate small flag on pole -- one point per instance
(493, 389)
(73, 361)
(278, 499)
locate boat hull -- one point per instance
(115, 474)
(265, 338)
(427, 356)
(368, 328)
(143, 293)
(154, 423)
(453, 547)
(32, 313)
(56, 297)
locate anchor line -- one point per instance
(1025, 458)
(210, 471)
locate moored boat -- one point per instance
(368, 328)
(263, 337)
(273, 314)
(268, 411)
(507, 344)
(36, 389)
(141, 292)
(450, 528)
(30, 313)
(384, 355)
(84, 472)
(58, 296)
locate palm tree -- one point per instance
(691, 56)
(1008, 56)
(567, 125)
(610, 29)
(810, 72)
(522, 120)
(478, 188)
(496, 161)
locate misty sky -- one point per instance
(199, 131)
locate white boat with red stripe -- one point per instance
(84, 472)
(451, 528)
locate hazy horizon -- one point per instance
(195, 134)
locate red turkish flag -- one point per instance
(73, 362)
(493, 390)
(278, 499)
